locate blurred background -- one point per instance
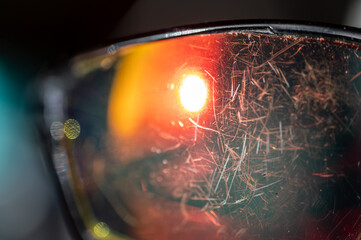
(36, 36)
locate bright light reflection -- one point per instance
(193, 93)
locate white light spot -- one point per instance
(193, 93)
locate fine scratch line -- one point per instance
(240, 200)
(243, 154)
(210, 186)
(281, 137)
(258, 145)
(267, 185)
(271, 159)
(259, 194)
(244, 199)
(199, 126)
(235, 92)
(267, 148)
(224, 168)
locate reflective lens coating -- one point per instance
(235, 135)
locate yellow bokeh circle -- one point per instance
(71, 128)
(101, 230)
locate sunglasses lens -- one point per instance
(215, 136)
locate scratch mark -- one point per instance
(281, 136)
(224, 168)
(210, 185)
(266, 186)
(244, 149)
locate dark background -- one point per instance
(38, 35)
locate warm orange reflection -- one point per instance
(160, 83)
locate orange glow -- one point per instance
(193, 93)
(126, 104)
(154, 85)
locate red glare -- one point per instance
(151, 78)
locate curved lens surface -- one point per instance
(216, 136)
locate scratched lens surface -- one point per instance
(273, 152)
